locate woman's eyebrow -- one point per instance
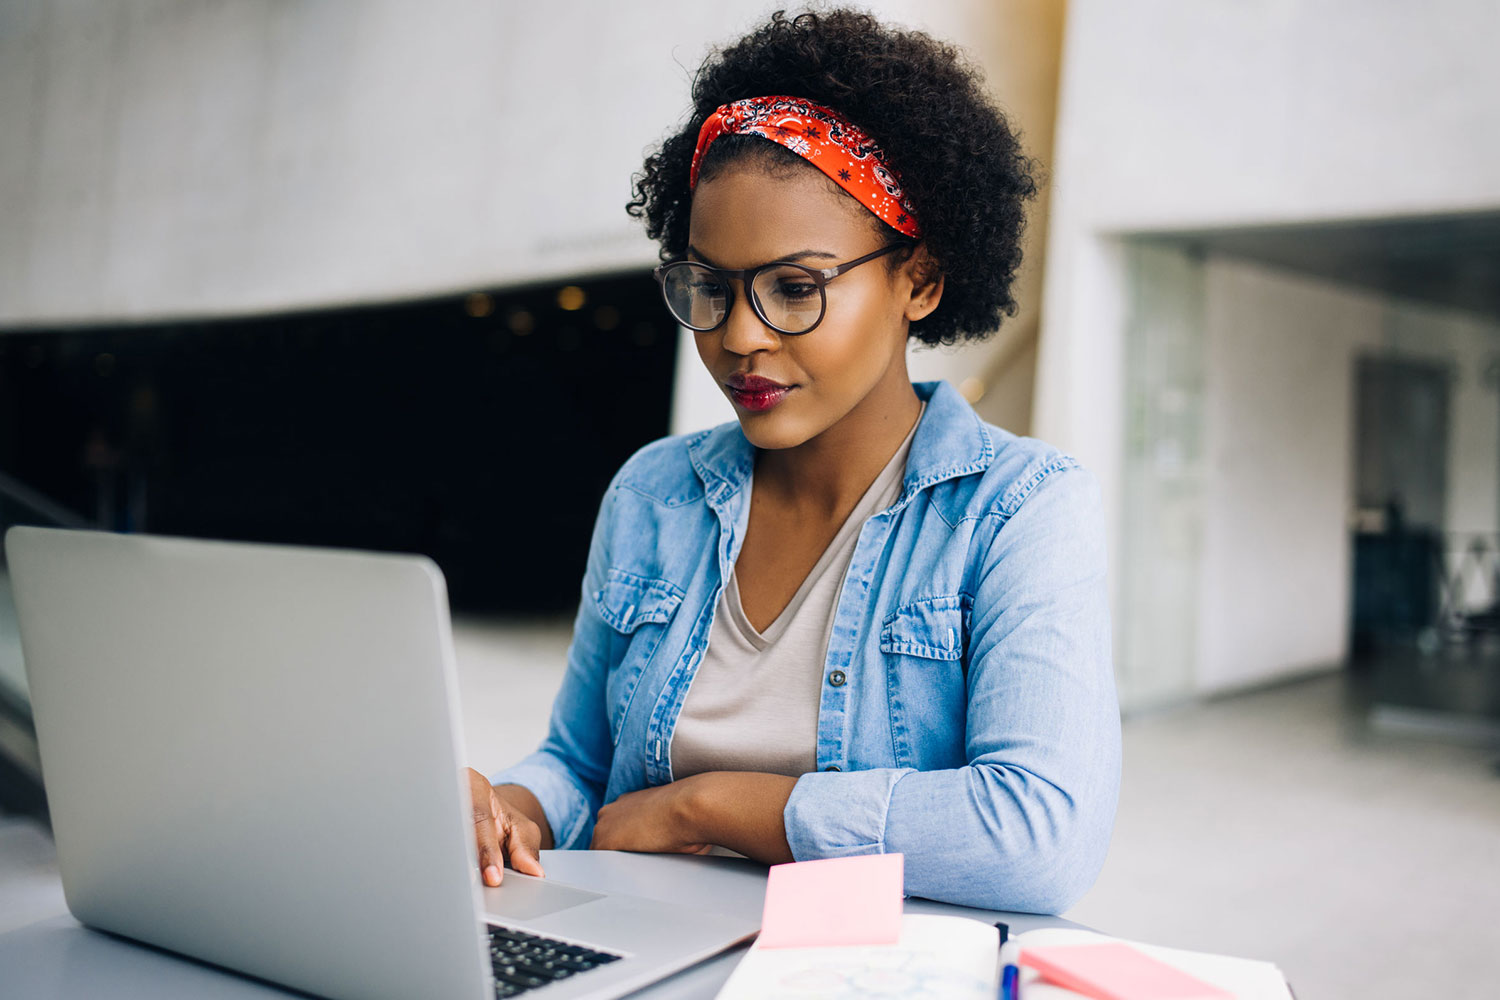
(694, 252)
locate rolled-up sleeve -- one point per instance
(1025, 825)
(569, 771)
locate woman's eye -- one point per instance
(795, 289)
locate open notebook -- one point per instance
(955, 958)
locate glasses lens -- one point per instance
(790, 297)
(697, 297)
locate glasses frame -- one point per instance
(820, 276)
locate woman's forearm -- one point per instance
(741, 810)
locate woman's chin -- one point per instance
(771, 433)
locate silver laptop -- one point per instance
(252, 756)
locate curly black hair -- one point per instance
(959, 160)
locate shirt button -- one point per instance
(837, 678)
(832, 767)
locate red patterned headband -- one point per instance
(824, 138)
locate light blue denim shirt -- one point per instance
(968, 717)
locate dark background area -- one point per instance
(480, 429)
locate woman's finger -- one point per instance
(522, 843)
(486, 832)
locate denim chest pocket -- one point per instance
(925, 645)
(935, 628)
(638, 608)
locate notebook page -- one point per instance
(937, 958)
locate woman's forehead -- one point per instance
(744, 216)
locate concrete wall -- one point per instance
(199, 158)
(1279, 424)
(1161, 537)
(1199, 115)
(1279, 415)
(1239, 462)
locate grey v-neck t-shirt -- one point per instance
(753, 704)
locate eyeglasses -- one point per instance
(789, 298)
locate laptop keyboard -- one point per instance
(525, 961)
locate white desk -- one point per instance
(59, 959)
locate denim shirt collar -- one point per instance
(951, 441)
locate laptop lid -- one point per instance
(252, 756)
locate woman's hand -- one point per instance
(656, 820)
(505, 830)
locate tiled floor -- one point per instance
(1279, 825)
(1274, 825)
(509, 672)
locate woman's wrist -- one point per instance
(702, 809)
(740, 810)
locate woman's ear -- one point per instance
(926, 284)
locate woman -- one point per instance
(859, 619)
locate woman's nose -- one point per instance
(744, 332)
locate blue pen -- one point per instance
(1010, 983)
(1009, 974)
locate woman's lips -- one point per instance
(754, 392)
(759, 401)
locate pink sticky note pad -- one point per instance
(1117, 972)
(834, 901)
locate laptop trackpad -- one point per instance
(521, 897)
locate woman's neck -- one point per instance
(825, 476)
